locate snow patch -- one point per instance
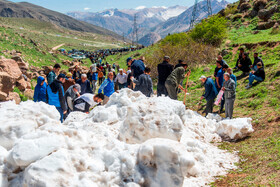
(132, 141)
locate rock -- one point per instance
(29, 93)
(47, 69)
(14, 96)
(265, 14)
(11, 67)
(28, 85)
(244, 7)
(236, 17)
(266, 25)
(207, 69)
(224, 52)
(259, 5)
(6, 82)
(35, 75)
(21, 84)
(22, 65)
(3, 96)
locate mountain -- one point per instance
(121, 21)
(150, 39)
(28, 10)
(181, 23)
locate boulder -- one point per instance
(259, 4)
(266, 25)
(244, 7)
(14, 96)
(21, 84)
(29, 93)
(265, 14)
(6, 82)
(11, 67)
(28, 85)
(22, 65)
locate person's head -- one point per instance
(225, 67)
(129, 61)
(84, 77)
(56, 68)
(229, 70)
(226, 76)
(61, 77)
(259, 65)
(203, 79)
(256, 55)
(241, 50)
(40, 80)
(76, 68)
(98, 98)
(220, 58)
(77, 88)
(180, 61)
(184, 65)
(219, 64)
(111, 75)
(142, 58)
(147, 71)
(166, 58)
(128, 67)
(69, 75)
(121, 71)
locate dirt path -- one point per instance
(56, 47)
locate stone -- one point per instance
(6, 82)
(29, 93)
(21, 84)
(265, 14)
(21, 63)
(244, 7)
(14, 96)
(259, 4)
(11, 67)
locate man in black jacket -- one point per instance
(85, 84)
(241, 52)
(164, 70)
(258, 75)
(245, 63)
(257, 59)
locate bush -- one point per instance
(176, 39)
(210, 31)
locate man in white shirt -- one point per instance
(121, 79)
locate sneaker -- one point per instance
(248, 86)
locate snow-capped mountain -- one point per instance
(121, 21)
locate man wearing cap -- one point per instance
(68, 81)
(174, 79)
(164, 70)
(107, 87)
(85, 84)
(210, 93)
(71, 94)
(55, 95)
(121, 79)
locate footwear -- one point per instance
(248, 86)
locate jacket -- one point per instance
(55, 95)
(233, 77)
(164, 70)
(229, 89)
(137, 67)
(40, 91)
(177, 76)
(257, 60)
(246, 62)
(210, 89)
(107, 87)
(220, 75)
(85, 86)
(76, 75)
(68, 83)
(51, 77)
(260, 73)
(144, 84)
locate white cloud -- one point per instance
(140, 8)
(160, 7)
(87, 8)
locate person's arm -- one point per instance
(36, 93)
(89, 90)
(217, 81)
(87, 107)
(208, 90)
(137, 82)
(103, 85)
(150, 86)
(231, 87)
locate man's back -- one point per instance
(138, 68)
(164, 70)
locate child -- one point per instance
(40, 90)
(144, 84)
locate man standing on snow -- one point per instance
(229, 93)
(55, 95)
(121, 79)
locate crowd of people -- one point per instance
(78, 92)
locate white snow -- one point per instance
(132, 141)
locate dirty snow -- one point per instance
(132, 141)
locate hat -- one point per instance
(120, 69)
(129, 59)
(166, 57)
(78, 87)
(202, 77)
(69, 74)
(61, 76)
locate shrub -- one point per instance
(210, 31)
(176, 39)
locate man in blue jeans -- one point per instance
(258, 75)
(55, 95)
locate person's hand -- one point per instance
(65, 112)
(223, 88)
(251, 66)
(253, 72)
(201, 98)
(219, 86)
(132, 78)
(239, 65)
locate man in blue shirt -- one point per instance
(137, 67)
(107, 87)
(210, 93)
(220, 76)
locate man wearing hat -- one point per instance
(55, 95)
(164, 70)
(121, 79)
(210, 93)
(68, 81)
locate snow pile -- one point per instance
(132, 141)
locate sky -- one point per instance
(65, 6)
